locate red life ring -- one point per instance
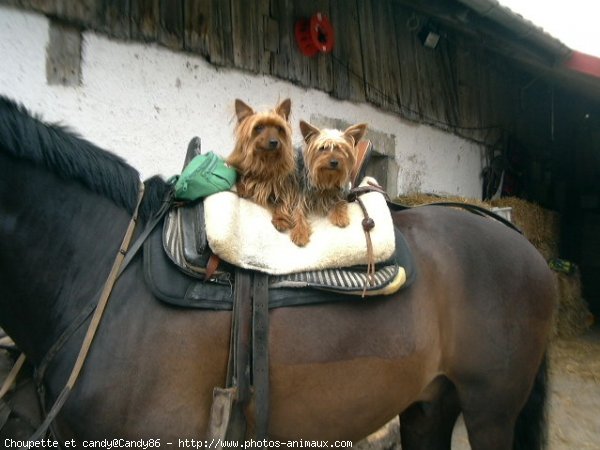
(315, 35)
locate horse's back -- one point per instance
(480, 270)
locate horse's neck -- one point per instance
(57, 243)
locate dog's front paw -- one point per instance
(340, 218)
(300, 236)
(339, 215)
(281, 223)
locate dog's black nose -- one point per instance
(334, 163)
(273, 144)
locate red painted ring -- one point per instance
(321, 33)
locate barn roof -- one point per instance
(507, 32)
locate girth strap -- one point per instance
(238, 374)
(260, 353)
(248, 367)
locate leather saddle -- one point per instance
(176, 255)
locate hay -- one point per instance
(579, 356)
(542, 228)
(573, 317)
(418, 198)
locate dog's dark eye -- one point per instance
(322, 148)
(259, 128)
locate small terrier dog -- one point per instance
(329, 157)
(265, 160)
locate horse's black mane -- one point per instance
(71, 157)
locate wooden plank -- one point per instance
(380, 59)
(324, 67)
(387, 46)
(82, 12)
(144, 20)
(447, 63)
(506, 97)
(207, 26)
(43, 6)
(443, 86)
(424, 83)
(247, 19)
(486, 106)
(371, 58)
(408, 84)
(468, 84)
(435, 80)
(348, 75)
(244, 35)
(196, 20)
(113, 18)
(281, 61)
(170, 24)
(271, 35)
(207, 30)
(289, 63)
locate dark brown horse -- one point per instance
(468, 336)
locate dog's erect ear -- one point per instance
(356, 132)
(284, 108)
(308, 131)
(242, 110)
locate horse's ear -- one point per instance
(356, 132)
(284, 108)
(308, 131)
(242, 110)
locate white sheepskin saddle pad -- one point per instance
(240, 232)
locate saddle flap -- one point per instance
(184, 238)
(193, 233)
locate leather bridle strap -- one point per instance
(367, 224)
(12, 376)
(94, 323)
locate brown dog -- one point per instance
(265, 161)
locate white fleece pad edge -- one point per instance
(240, 232)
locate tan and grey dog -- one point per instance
(329, 157)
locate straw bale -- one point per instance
(573, 317)
(541, 226)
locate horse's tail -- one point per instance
(531, 431)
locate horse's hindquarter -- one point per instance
(481, 301)
(494, 294)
